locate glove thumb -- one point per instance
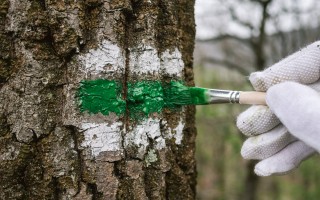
(298, 108)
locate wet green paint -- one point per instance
(176, 94)
(143, 97)
(199, 96)
(102, 96)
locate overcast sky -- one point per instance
(213, 16)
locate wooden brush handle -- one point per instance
(252, 98)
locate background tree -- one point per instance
(236, 38)
(253, 34)
(48, 148)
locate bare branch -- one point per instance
(262, 1)
(238, 20)
(222, 37)
(242, 70)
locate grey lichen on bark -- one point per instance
(48, 148)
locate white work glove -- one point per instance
(287, 131)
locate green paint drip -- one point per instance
(143, 97)
(102, 96)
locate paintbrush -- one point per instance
(179, 94)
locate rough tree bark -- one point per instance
(51, 150)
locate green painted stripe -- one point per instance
(102, 96)
(143, 97)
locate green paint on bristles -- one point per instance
(199, 96)
(143, 97)
(178, 94)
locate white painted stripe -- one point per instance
(140, 134)
(102, 137)
(172, 62)
(179, 132)
(106, 59)
(144, 60)
(176, 133)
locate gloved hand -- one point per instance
(287, 131)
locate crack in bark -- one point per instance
(55, 184)
(94, 191)
(74, 133)
(128, 20)
(126, 40)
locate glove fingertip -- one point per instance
(244, 152)
(260, 171)
(256, 120)
(267, 168)
(258, 82)
(284, 161)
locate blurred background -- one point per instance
(235, 38)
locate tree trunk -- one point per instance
(49, 147)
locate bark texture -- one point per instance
(48, 148)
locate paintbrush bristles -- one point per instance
(177, 94)
(199, 96)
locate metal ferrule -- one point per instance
(223, 96)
